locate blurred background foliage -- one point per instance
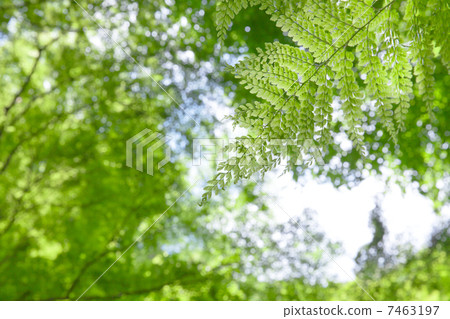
(69, 207)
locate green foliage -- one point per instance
(69, 207)
(337, 42)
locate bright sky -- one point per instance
(344, 214)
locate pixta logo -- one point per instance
(143, 145)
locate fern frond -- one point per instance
(337, 41)
(400, 77)
(323, 100)
(226, 10)
(350, 95)
(303, 31)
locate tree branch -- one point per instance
(83, 270)
(28, 78)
